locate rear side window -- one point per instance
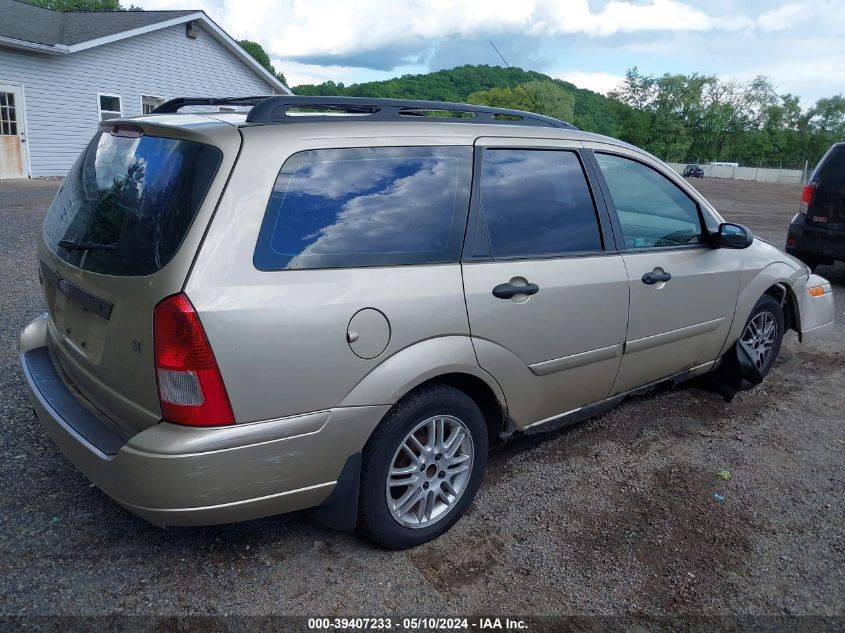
(127, 203)
(652, 210)
(376, 206)
(536, 203)
(832, 166)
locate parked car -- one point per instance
(693, 171)
(256, 313)
(817, 232)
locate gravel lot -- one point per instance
(616, 515)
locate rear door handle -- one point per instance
(509, 291)
(656, 276)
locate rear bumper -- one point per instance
(815, 242)
(174, 475)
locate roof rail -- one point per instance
(277, 110)
(172, 106)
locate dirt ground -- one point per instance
(616, 515)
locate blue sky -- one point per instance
(799, 45)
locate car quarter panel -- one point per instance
(417, 363)
(280, 337)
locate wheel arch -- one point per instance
(776, 280)
(481, 393)
(450, 360)
(788, 303)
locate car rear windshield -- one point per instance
(376, 206)
(128, 202)
(832, 167)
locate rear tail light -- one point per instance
(806, 198)
(190, 387)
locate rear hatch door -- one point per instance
(120, 236)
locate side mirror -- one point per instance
(733, 236)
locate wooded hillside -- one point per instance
(681, 118)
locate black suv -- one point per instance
(693, 171)
(817, 232)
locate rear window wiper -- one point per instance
(72, 245)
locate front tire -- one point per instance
(421, 467)
(763, 333)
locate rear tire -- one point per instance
(421, 467)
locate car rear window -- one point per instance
(128, 202)
(377, 206)
(832, 166)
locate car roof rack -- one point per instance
(278, 110)
(173, 105)
(311, 109)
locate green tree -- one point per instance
(543, 97)
(637, 90)
(679, 117)
(258, 53)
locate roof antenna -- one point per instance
(513, 74)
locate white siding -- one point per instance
(61, 90)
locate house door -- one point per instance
(12, 133)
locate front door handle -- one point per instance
(509, 291)
(656, 276)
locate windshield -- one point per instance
(128, 202)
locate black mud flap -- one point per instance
(747, 368)
(736, 368)
(340, 510)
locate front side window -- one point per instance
(537, 203)
(653, 211)
(377, 206)
(110, 106)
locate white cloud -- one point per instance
(343, 28)
(597, 82)
(298, 28)
(317, 40)
(297, 73)
(784, 17)
(626, 17)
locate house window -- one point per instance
(150, 103)
(8, 119)
(110, 106)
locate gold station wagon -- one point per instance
(339, 304)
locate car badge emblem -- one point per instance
(63, 286)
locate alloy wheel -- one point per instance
(758, 338)
(429, 471)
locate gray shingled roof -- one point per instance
(22, 21)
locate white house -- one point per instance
(63, 72)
